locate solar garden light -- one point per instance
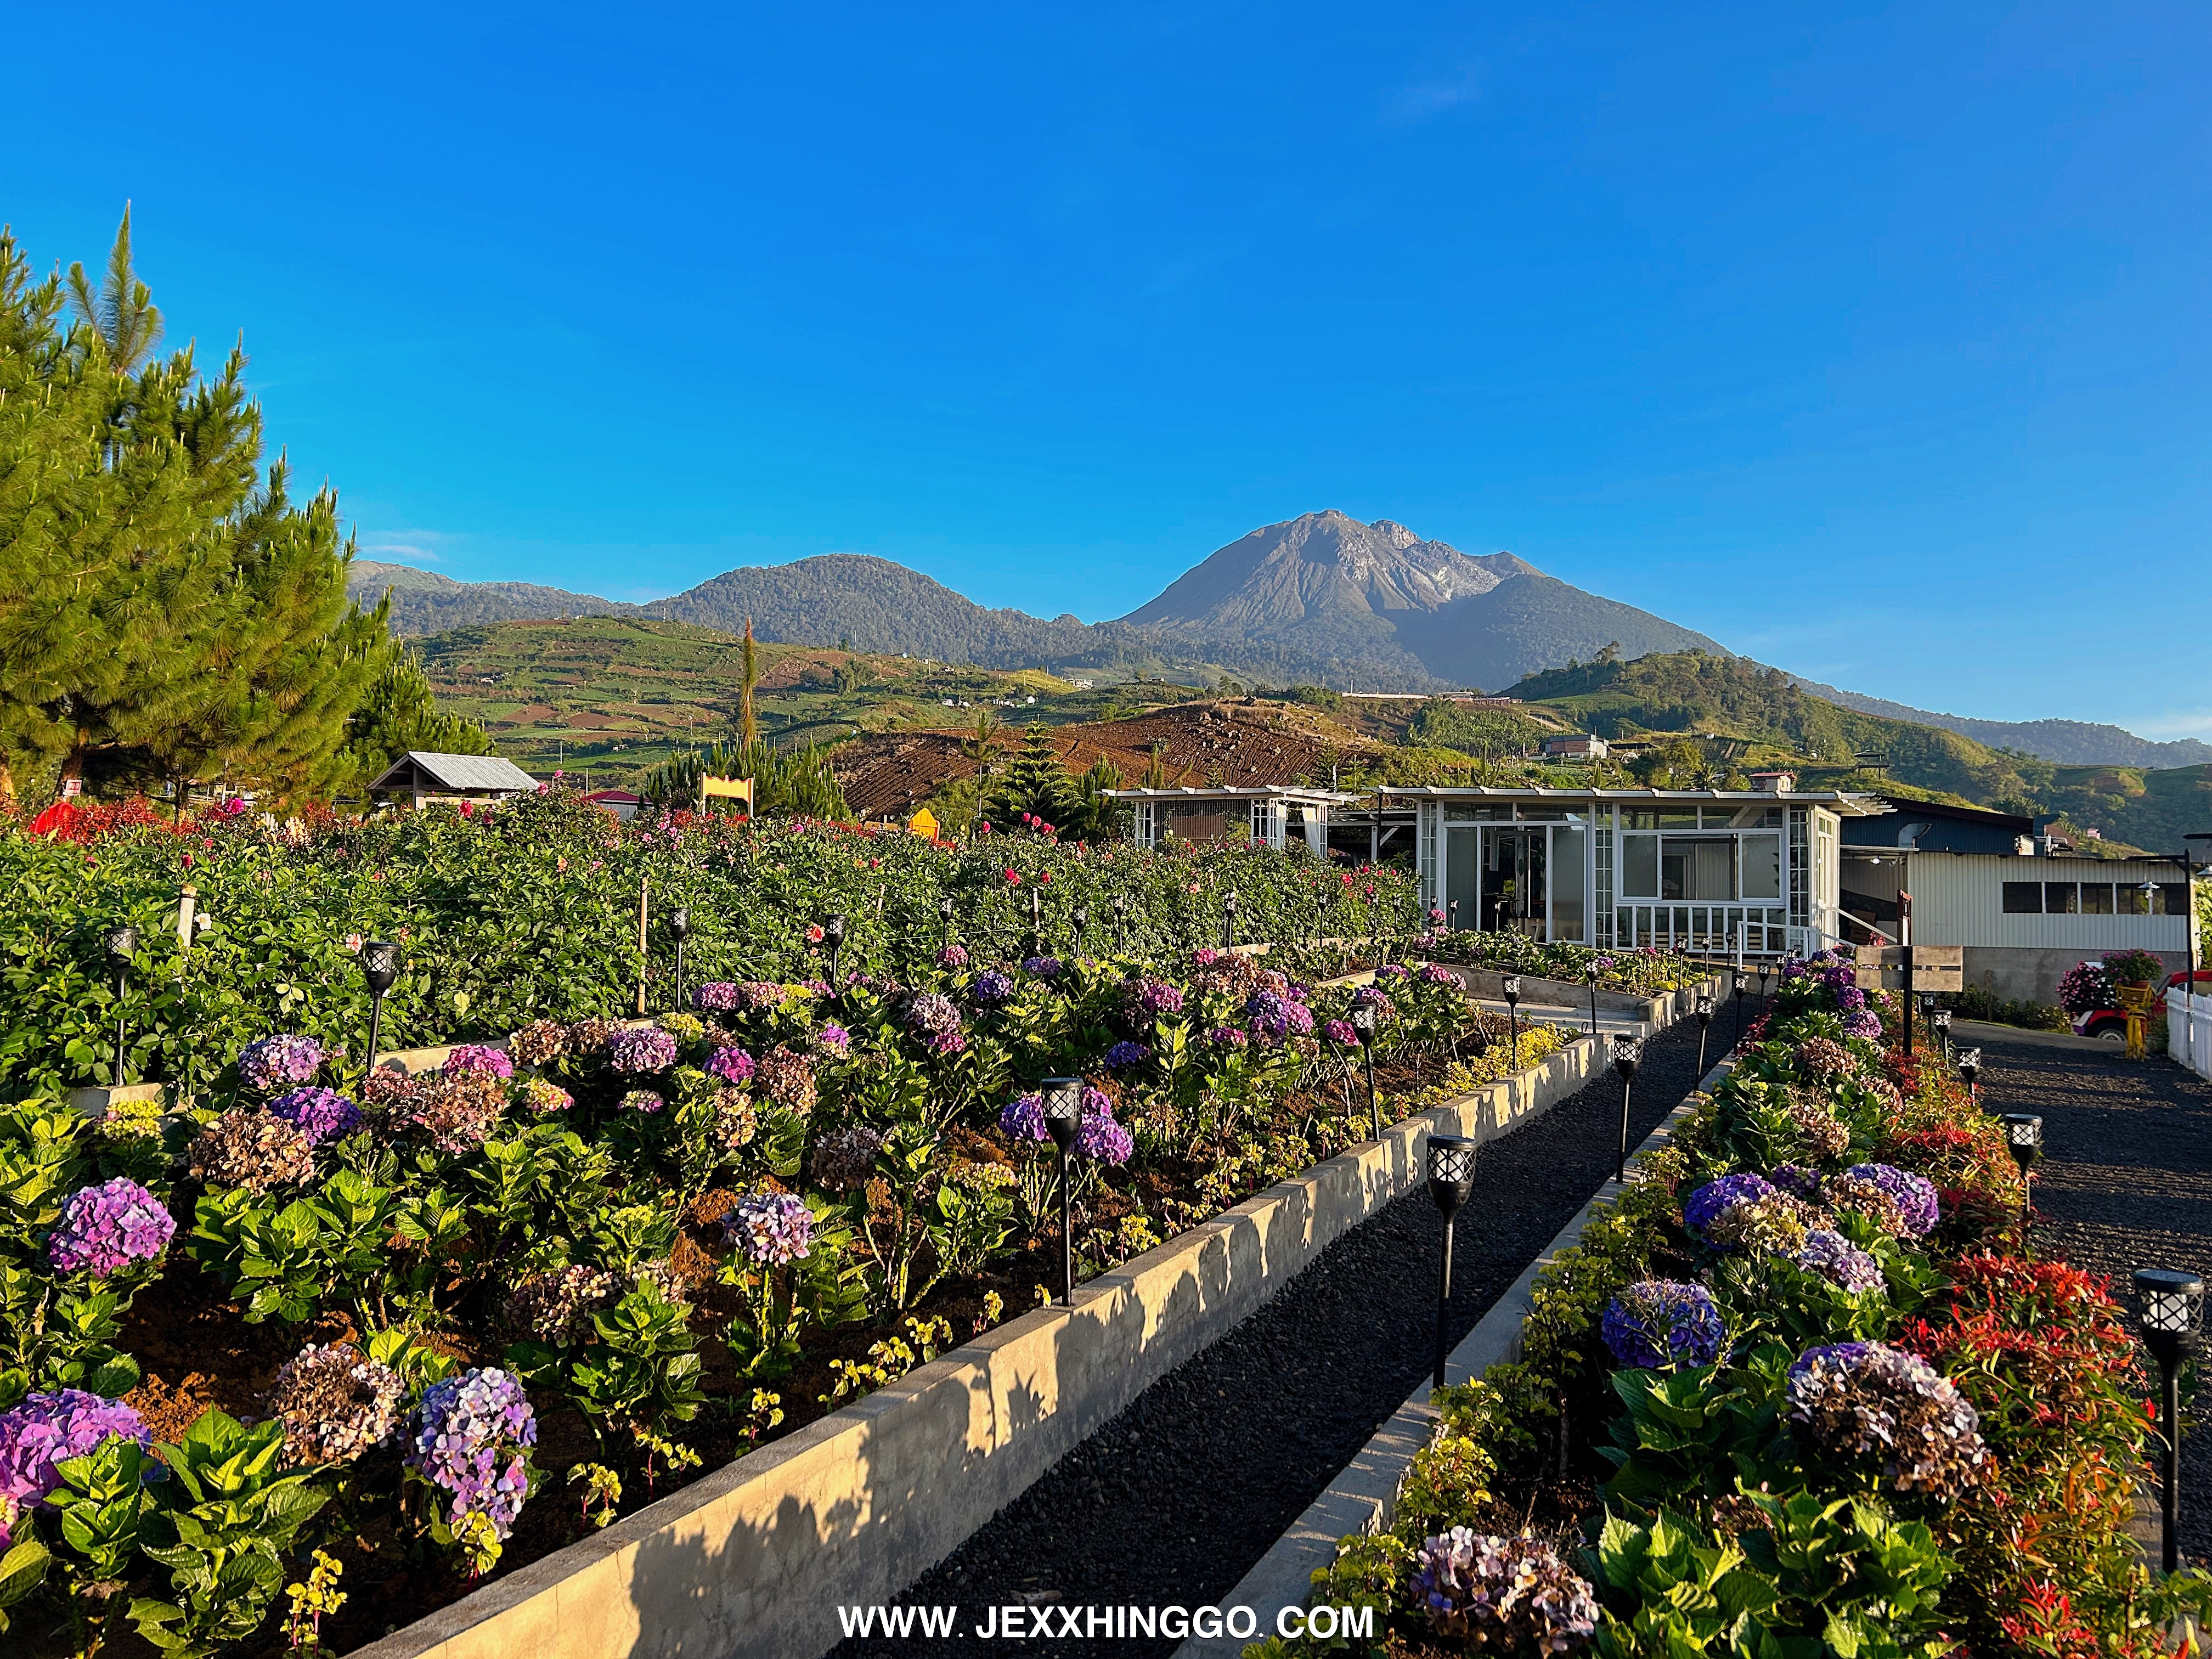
(2023, 1141)
(1704, 1025)
(1592, 976)
(1970, 1069)
(1451, 1180)
(1121, 916)
(121, 944)
(1063, 1122)
(380, 966)
(2173, 1304)
(1736, 975)
(1627, 1053)
(833, 935)
(1229, 918)
(1080, 919)
(679, 924)
(945, 915)
(1941, 1018)
(1510, 985)
(1363, 1024)
(1451, 916)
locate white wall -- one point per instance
(1958, 898)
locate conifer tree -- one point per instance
(1035, 782)
(748, 719)
(166, 611)
(399, 712)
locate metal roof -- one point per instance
(1842, 801)
(1236, 791)
(463, 774)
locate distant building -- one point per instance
(1271, 815)
(1774, 783)
(1576, 747)
(2021, 909)
(422, 780)
(620, 802)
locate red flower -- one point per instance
(1012, 877)
(813, 933)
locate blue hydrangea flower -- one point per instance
(1664, 1321)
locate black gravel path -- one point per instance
(2125, 1182)
(1176, 1500)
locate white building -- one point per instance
(422, 779)
(1272, 814)
(1708, 870)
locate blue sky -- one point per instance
(1872, 343)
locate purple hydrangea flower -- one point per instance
(992, 986)
(762, 994)
(1798, 1181)
(717, 996)
(771, 1228)
(1433, 974)
(643, 1100)
(1856, 1398)
(1338, 1031)
(1128, 1054)
(478, 1057)
(1041, 967)
(1227, 1036)
(323, 1114)
(1375, 997)
(1850, 999)
(1155, 997)
(1205, 956)
(835, 1037)
(471, 1442)
(1864, 1023)
(1102, 1139)
(278, 1062)
(109, 1226)
(1664, 1321)
(732, 1066)
(932, 1015)
(643, 1049)
(51, 1427)
(1716, 1198)
(1273, 1014)
(1512, 1595)
(1024, 1118)
(1915, 1194)
(1835, 1258)
(1392, 970)
(952, 957)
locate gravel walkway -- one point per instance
(2123, 1184)
(1173, 1500)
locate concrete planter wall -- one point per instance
(755, 1558)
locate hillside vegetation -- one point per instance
(1756, 716)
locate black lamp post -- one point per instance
(1451, 1180)
(2023, 1141)
(679, 925)
(945, 915)
(1927, 1013)
(1362, 1022)
(121, 944)
(1063, 1122)
(1942, 1019)
(1970, 1069)
(1510, 985)
(833, 936)
(1627, 1052)
(1593, 988)
(1704, 1025)
(1736, 975)
(1122, 918)
(2173, 1304)
(1229, 918)
(1078, 919)
(1451, 916)
(380, 966)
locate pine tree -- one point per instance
(748, 720)
(1035, 782)
(166, 611)
(399, 712)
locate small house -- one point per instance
(1271, 815)
(620, 802)
(1575, 747)
(420, 780)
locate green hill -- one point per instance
(1748, 716)
(619, 693)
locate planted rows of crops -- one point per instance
(314, 1349)
(1805, 1389)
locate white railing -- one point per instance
(2189, 1031)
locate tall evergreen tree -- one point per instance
(748, 718)
(1034, 783)
(399, 712)
(166, 611)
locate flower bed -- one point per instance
(1799, 1391)
(530, 911)
(436, 1326)
(1642, 970)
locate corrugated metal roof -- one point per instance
(463, 773)
(1844, 802)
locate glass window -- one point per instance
(1762, 866)
(2060, 898)
(1685, 819)
(1568, 884)
(1743, 817)
(1639, 869)
(2097, 898)
(2172, 899)
(1638, 817)
(2023, 898)
(1696, 867)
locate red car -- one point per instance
(2110, 1025)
